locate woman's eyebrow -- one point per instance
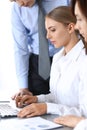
(51, 27)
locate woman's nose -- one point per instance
(48, 36)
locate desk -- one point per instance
(48, 117)
(51, 117)
(12, 121)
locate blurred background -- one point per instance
(8, 80)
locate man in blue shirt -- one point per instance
(26, 44)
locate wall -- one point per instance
(8, 80)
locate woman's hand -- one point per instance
(34, 109)
(25, 100)
(69, 120)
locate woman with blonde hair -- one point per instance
(68, 71)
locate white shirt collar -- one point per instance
(73, 54)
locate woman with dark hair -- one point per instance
(79, 8)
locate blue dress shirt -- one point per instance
(25, 35)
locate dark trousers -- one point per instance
(37, 85)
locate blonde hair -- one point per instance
(62, 14)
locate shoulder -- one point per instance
(22, 10)
(58, 55)
(82, 64)
(81, 53)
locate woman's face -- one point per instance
(81, 23)
(25, 2)
(57, 33)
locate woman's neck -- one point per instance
(73, 41)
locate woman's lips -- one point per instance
(53, 42)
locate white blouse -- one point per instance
(68, 83)
(82, 125)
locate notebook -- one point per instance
(33, 123)
(6, 110)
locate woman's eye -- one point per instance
(78, 19)
(53, 30)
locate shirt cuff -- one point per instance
(82, 125)
(52, 108)
(41, 98)
(23, 82)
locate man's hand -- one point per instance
(69, 120)
(34, 109)
(20, 93)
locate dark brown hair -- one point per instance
(82, 4)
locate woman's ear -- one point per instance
(71, 27)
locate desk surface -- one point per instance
(10, 122)
(48, 117)
(51, 117)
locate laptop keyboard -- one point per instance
(7, 111)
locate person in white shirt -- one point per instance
(68, 83)
(79, 8)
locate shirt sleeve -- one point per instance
(81, 108)
(62, 109)
(82, 125)
(45, 98)
(21, 52)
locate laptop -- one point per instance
(6, 110)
